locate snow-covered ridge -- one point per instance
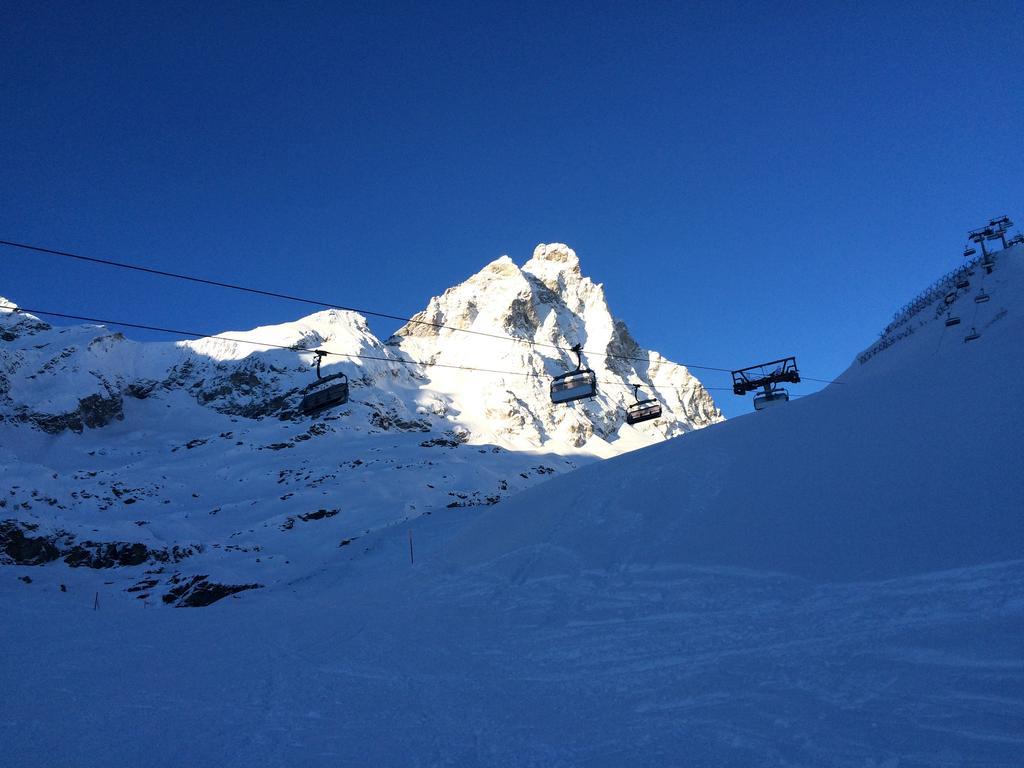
(549, 305)
(833, 582)
(976, 294)
(144, 447)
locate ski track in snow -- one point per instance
(431, 665)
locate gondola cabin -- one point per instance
(324, 397)
(768, 399)
(642, 410)
(575, 385)
(322, 393)
(645, 410)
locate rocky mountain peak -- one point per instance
(556, 266)
(15, 323)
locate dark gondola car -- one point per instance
(322, 394)
(326, 397)
(642, 410)
(574, 385)
(766, 399)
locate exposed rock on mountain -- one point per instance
(122, 454)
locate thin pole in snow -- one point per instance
(96, 602)
(412, 560)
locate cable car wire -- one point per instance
(331, 305)
(397, 360)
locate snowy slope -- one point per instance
(837, 581)
(187, 459)
(910, 464)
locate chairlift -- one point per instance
(950, 298)
(968, 251)
(642, 410)
(323, 397)
(981, 297)
(763, 400)
(574, 385)
(962, 282)
(972, 335)
(765, 377)
(952, 319)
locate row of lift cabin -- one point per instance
(581, 384)
(996, 230)
(763, 378)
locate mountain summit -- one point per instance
(525, 321)
(193, 457)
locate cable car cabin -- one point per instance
(768, 399)
(321, 394)
(324, 397)
(952, 320)
(981, 297)
(574, 385)
(645, 410)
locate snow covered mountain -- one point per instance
(548, 306)
(192, 458)
(834, 581)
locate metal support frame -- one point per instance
(995, 230)
(744, 380)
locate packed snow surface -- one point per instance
(834, 581)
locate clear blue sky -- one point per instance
(748, 180)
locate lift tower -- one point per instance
(766, 376)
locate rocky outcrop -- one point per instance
(199, 592)
(19, 547)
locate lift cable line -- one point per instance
(331, 305)
(317, 302)
(318, 352)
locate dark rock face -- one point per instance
(320, 514)
(98, 411)
(22, 549)
(109, 555)
(387, 420)
(93, 411)
(198, 592)
(25, 550)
